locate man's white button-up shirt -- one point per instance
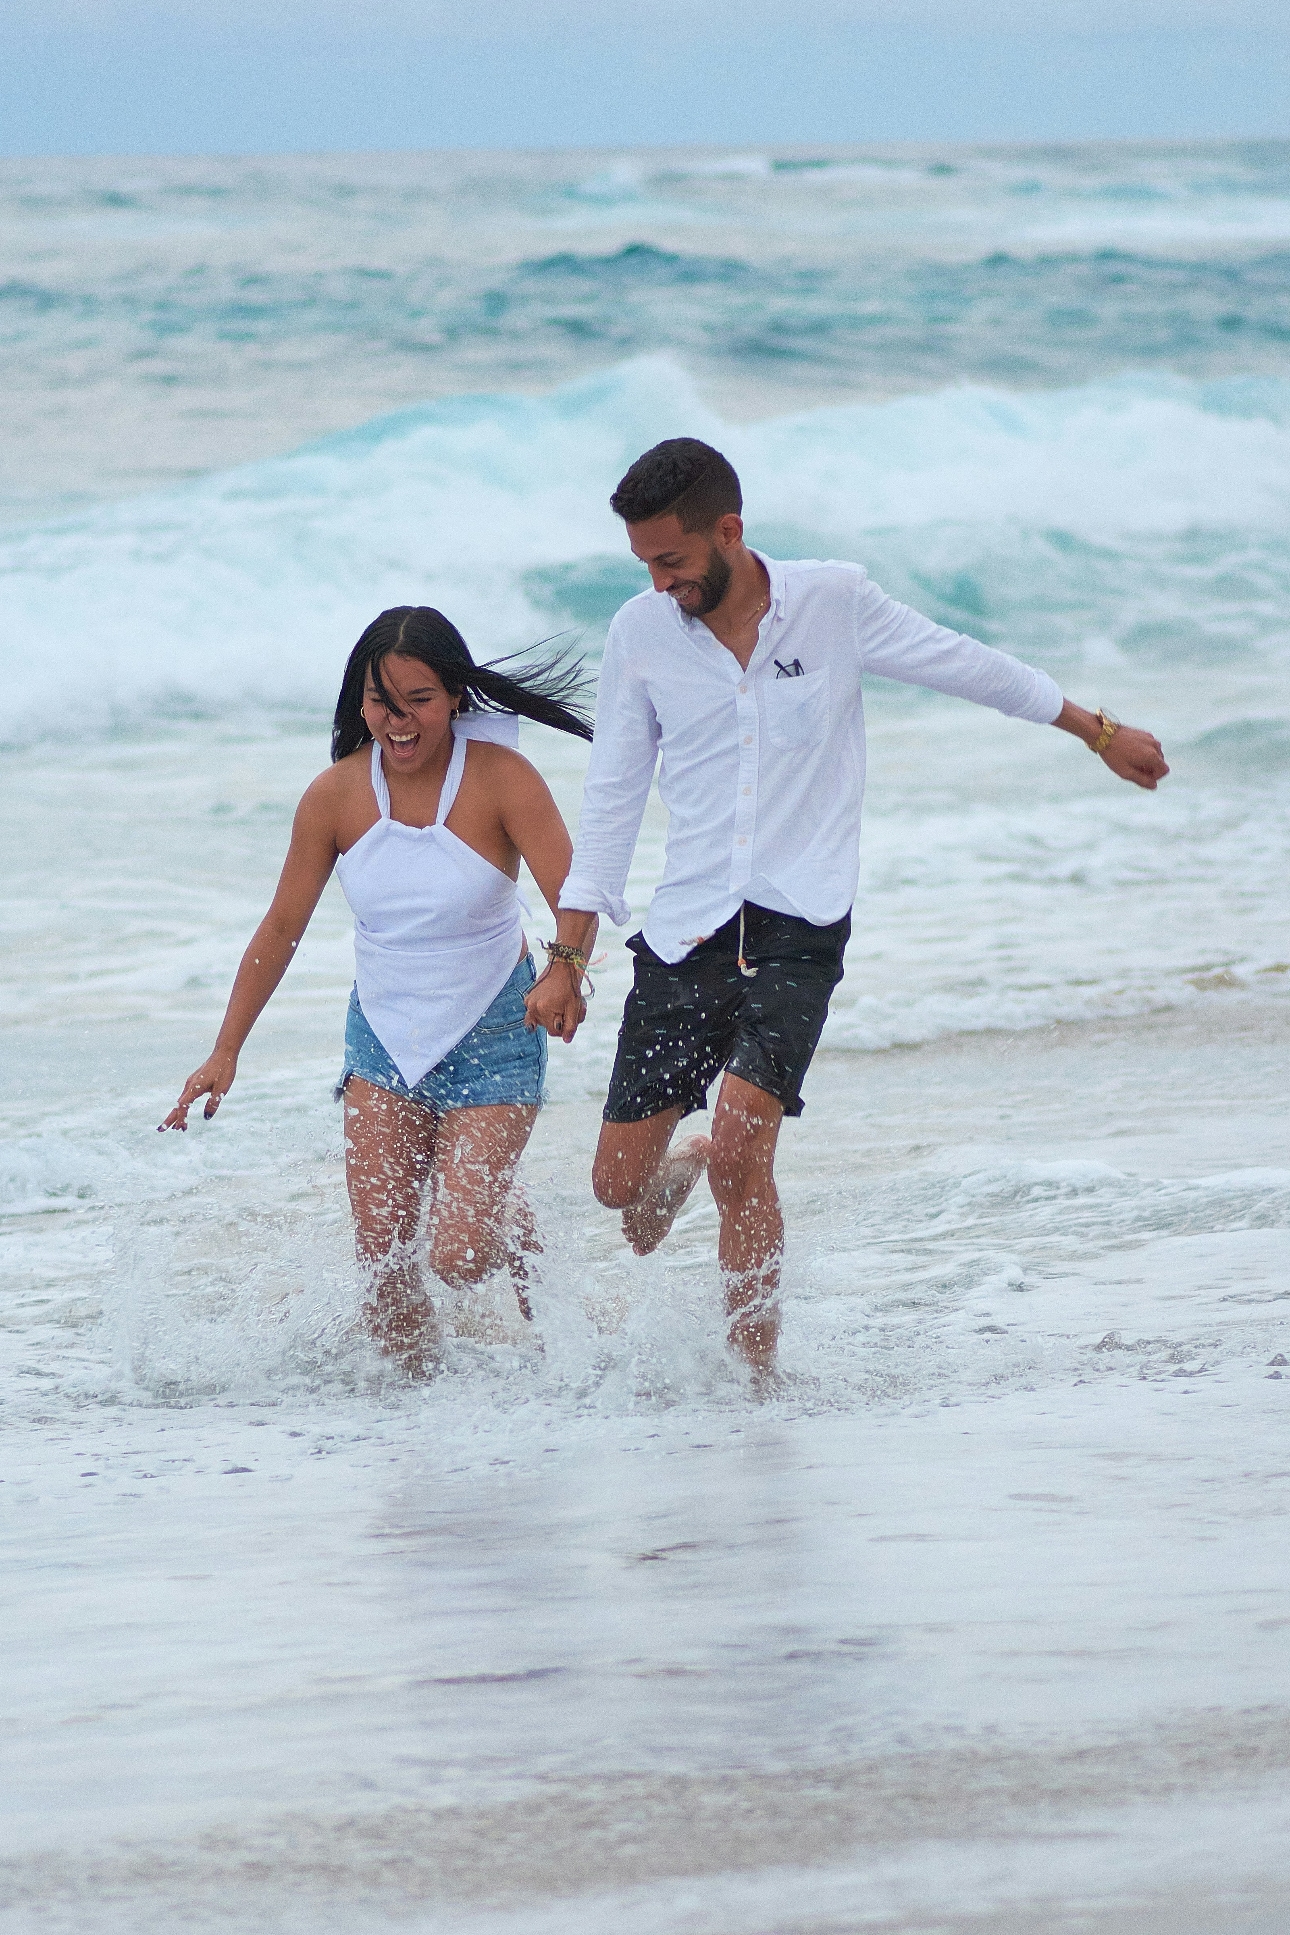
(762, 772)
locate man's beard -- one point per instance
(714, 583)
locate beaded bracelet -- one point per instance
(558, 951)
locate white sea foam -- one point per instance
(251, 585)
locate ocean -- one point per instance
(979, 1623)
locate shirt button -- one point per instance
(741, 841)
(747, 739)
(743, 688)
(747, 790)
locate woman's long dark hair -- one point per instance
(550, 690)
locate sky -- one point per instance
(280, 76)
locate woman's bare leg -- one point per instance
(524, 1242)
(479, 1225)
(390, 1145)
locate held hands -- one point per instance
(213, 1078)
(554, 1002)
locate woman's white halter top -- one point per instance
(437, 928)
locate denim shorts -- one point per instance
(500, 1060)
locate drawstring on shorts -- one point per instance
(749, 973)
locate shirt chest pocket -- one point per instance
(797, 710)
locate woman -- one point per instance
(425, 813)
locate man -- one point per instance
(744, 676)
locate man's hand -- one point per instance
(1136, 755)
(1130, 753)
(555, 1002)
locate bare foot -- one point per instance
(408, 1331)
(647, 1222)
(752, 1308)
(755, 1338)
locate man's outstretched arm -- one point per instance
(1128, 751)
(903, 644)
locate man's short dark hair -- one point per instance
(682, 476)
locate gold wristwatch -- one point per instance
(1110, 726)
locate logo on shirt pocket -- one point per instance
(797, 710)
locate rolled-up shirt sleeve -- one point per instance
(898, 643)
(624, 752)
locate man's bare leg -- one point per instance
(745, 1130)
(648, 1221)
(634, 1171)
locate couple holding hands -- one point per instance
(739, 677)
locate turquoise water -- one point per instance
(201, 312)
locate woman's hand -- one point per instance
(214, 1078)
(310, 859)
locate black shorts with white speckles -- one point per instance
(685, 1022)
